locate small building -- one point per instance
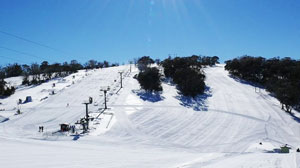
(64, 127)
(285, 149)
(28, 99)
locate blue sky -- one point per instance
(120, 30)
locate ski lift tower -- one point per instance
(86, 103)
(121, 72)
(105, 89)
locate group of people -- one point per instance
(41, 128)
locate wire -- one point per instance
(30, 41)
(12, 59)
(36, 43)
(23, 53)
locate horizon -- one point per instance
(118, 31)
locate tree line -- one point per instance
(281, 77)
(5, 90)
(186, 73)
(35, 74)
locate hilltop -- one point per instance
(221, 128)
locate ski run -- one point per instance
(231, 125)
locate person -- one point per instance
(41, 128)
(73, 128)
(298, 150)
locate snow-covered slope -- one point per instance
(222, 128)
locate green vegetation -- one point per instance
(187, 74)
(149, 80)
(279, 76)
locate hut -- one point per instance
(28, 99)
(64, 127)
(285, 149)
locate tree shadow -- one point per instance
(294, 116)
(3, 97)
(149, 96)
(197, 103)
(276, 150)
(263, 96)
(168, 81)
(3, 119)
(253, 84)
(237, 79)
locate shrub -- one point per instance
(144, 62)
(189, 81)
(149, 79)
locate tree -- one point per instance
(186, 73)
(44, 65)
(91, 64)
(2, 82)
(115, 64)
(279, 76)
(157, 61)
(13, 70)
(4, 89)
(149, 79)
(35, 72)
(106, 64)
(287, 94)
(189, 81)
(215, 60)
(144, 62)
(171, 65)
(2, 74)
(75, 66)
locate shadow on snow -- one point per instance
(294, 116)
(168, 81)
(264, 97)
(148, 96)
(237, 79)
(198, 103)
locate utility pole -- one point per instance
(121, 72)
(105, 89)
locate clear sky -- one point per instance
(120, 30)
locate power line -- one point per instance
(30, 41)
(36, 43)
(23, 53)
(12, 59)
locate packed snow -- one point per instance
(231, 125)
